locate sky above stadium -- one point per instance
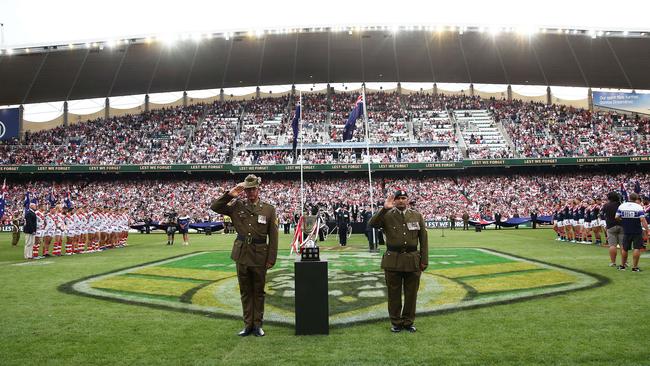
(41, 22)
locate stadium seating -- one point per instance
(417, 126)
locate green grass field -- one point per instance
(603, 325)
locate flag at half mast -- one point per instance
(350, 125)
(295, 127)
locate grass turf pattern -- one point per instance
(601, 326)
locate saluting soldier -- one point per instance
(15, 229)
(403, 261)
(255, 249)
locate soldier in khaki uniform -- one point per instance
(15, 229)
(403, 262)
(254, 221)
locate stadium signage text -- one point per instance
(229, 168)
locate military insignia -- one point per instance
(413, 225)
(456, 279)
(261, 219)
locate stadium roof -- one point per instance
(137, 66)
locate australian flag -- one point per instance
(350, 125)
(295, 127)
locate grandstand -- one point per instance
(448, 116)
(242, 132)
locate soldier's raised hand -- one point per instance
(390, 202)
(237, 190)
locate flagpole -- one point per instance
(365, 118)
(302, 178)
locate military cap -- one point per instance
(252, 181)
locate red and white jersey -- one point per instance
(40, 220)
(59, 221)
(92, 219)
(102, 219)
(79, 219)
(69, 223)
(49, 221)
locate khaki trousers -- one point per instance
(29, 245)
(251, 289)
(396, 283)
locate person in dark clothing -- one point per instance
(452, 222)
(342, 221)
(533, 218)
(286, 222)
(613, 227)
(29, 229)
(147, 225)
(497, 221)
(371, 233)
(354, 212)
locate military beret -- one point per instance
(400, 193)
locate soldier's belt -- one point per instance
(250, 240)
(401, 249)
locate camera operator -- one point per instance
(171, 226)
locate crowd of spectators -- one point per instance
(149, 138)
(437, 197)
(220, 131)
(540, 130)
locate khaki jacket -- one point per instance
(404, 231)
(253, 223)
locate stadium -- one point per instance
(514, 147)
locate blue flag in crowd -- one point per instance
(623, 193)
(637, 187)
(295, 127)
(27, 201)
(51, 199)
(2, 205)
(3, 202)
(68, 201)
(9, 121)
(350, 125)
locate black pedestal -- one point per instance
(312, 307)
